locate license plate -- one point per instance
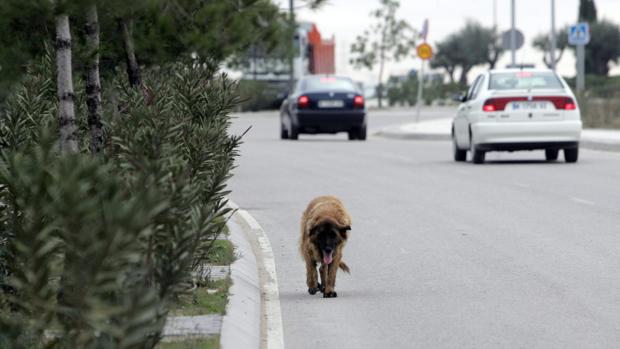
(331, 104)
(530, 105)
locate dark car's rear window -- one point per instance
(524, 80)
(316, 84)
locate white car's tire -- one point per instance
(458, 154)
(477, 155)
(551, 154)
(571, 155)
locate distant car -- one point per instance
(324, 104)
(517, 109)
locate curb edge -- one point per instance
(271, 330)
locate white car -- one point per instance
(517, 109)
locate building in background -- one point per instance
(321, 55)
(312, 55)
(267, 73)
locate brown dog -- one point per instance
(324, 232)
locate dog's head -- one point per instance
(327, 236)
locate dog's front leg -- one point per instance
(323, 272)
(332, 270)
(311, 277)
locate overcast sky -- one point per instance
(345, 19)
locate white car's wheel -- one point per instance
(571, 155)
(552, 154)
(459, 154)
(477, 155)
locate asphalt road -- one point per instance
(516, 253)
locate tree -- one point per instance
(604, 47)
(495, 48)
(473, 45)
(587, 11)
(542, 43)
(93, 80)
(388, 39)
(24, 27)
(447, 56)
(64, 78)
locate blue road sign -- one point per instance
(579, 34)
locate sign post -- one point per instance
(552, 37)
(513, 35)
(425, 52)
(579, 35)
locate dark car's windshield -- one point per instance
(524, 80)
(317, 84)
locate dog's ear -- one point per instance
(314, 231)
(343, 231)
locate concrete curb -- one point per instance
(434, 130)
(183, 327)
(394, 134)
(595, 139)
(253, 318)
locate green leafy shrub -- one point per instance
(102, 247)
(258, 95)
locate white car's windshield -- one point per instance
(524, 80)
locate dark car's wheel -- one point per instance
(294, 133)
(357, 134)
(571, 155)
(283, 132)
(361, 134)
(459, 155)
(477, 155)
(353, 135)
(552, 154)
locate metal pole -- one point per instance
(291, 60)
(420, 92)
(581, 68)
(553, 39)
(513, 35)
(495, 15)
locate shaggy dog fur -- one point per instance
(324, 231)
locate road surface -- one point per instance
(516, 253)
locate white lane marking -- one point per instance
(583, 201)
(272, 324)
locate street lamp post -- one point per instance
(552, 39)
(291, 60)
(513, 35)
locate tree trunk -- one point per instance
(464, 72)
(66, 109)
(493, 58)
(93, 82)
(450, 74)
(133, 69)
(68, 131)
(380, 86)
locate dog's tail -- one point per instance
(345, 267)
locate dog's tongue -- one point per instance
(327, 258)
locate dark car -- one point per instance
(324, 104)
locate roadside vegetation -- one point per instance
(115, 152)
(475, 45)
(208, 298)
(209, 343)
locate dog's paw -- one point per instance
(330, 295)
(313, 290)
